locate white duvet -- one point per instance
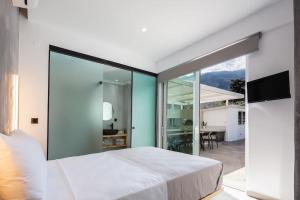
(144, 173)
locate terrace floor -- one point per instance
(232, 155)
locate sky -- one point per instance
(230, 65)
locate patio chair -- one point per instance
(214, 138)
(205, 138)
(188, 143)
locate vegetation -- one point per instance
(238, 86)
(222, 79)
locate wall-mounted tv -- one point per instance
(272, 87)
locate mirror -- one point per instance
(107, 111)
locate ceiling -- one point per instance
(171, 24)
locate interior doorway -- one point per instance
(222, 115)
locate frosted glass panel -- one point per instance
(143, 110)
(75, 106)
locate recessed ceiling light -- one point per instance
(144, 29)
(116, 80)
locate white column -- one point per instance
(196, 113)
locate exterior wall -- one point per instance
(215, 116)
(227, 118)
(234, 131)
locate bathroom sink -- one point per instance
(110, 131)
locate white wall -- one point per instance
(271, 124)
(264, 20)
(215, 116)
(227, 118)
(33, 68)
(234, 131)
(115, 94)
(269, 140)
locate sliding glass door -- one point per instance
(181, 114)
(143, 110)
(95, 107)
(75, 106)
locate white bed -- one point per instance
(144, 173)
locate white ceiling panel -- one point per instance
(171, 24)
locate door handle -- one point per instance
(133, 128)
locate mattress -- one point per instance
(146, 173)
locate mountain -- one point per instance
(222, 79)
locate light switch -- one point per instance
(34, 120)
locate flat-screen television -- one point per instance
(272, 87)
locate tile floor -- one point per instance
(231, 154)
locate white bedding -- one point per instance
(139, 173)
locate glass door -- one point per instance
(143, 110)
(75, 106)
(89, 107)
(96, 107)
(181, 100)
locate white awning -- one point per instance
(181, 92)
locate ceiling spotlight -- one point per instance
(116, 80)
(144, 29)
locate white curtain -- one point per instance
(9, 51)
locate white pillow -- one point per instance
(23, 167)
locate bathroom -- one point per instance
(116, 109)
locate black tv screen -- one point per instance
(272, 87)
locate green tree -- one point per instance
(237, 85)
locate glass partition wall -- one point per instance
(95, 107)
(75, 106)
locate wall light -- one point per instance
(12, 103)
(15, 102)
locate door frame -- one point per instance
(162, 113)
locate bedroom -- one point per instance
(142, 37)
